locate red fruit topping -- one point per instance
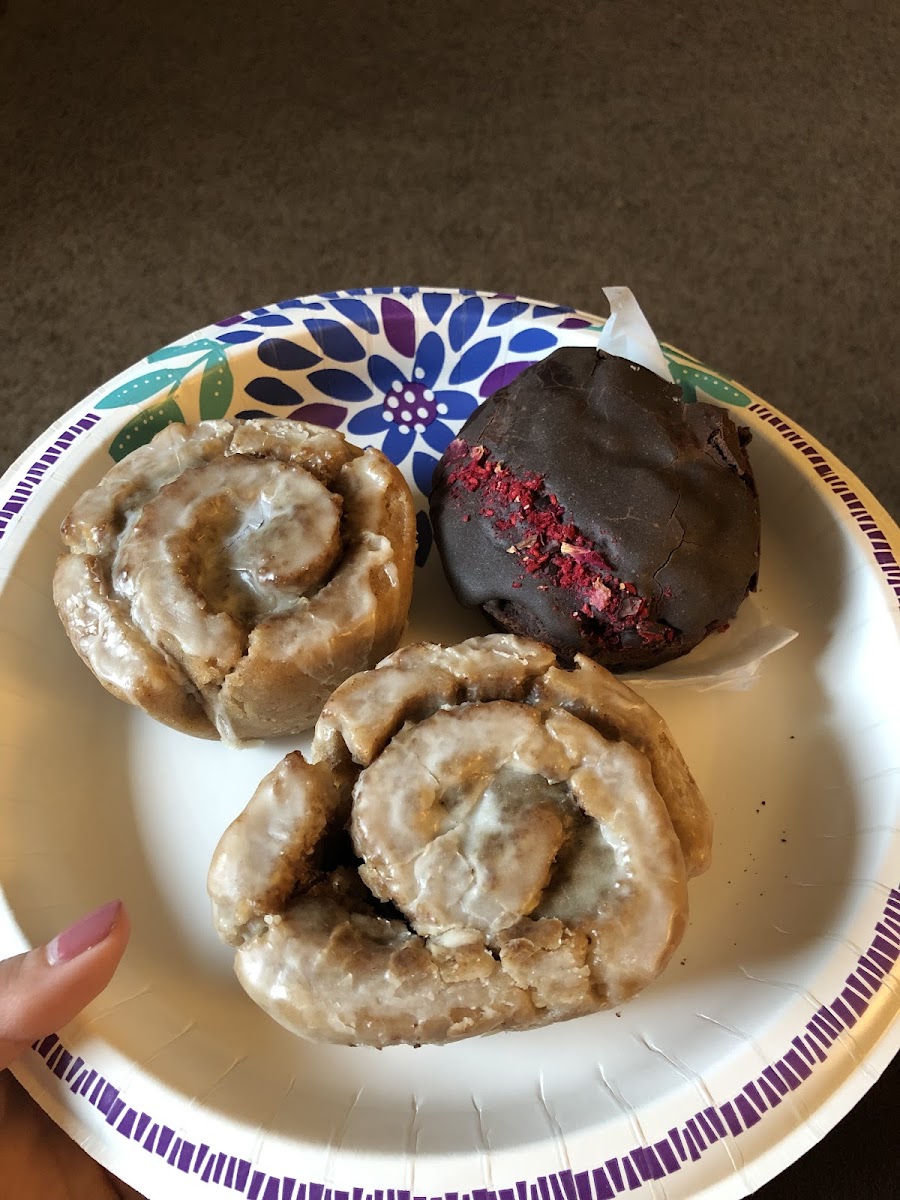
(551, 547)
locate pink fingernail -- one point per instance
(88, 931)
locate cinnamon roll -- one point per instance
(228, 576)
(479, 841)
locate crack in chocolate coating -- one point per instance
(661, 490)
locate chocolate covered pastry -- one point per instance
(229, 575)
(585, 505)
(520, 839)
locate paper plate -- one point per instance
(780, 1007)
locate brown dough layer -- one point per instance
(229, 575)
(521, 842)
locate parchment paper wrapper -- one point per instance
(731, 659)
(627, 333)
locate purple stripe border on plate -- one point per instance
(628, 1172)
(37, 472)
(881, 547)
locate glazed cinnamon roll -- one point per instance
(229, 575)
(479, 841)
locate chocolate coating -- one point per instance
(585, 505)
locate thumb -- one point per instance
(44, 989)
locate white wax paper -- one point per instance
(730, 660)
(628, 334)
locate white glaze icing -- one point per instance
(529, 856)
(249, 566)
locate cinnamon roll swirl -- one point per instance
(479, 841)
(228, 576)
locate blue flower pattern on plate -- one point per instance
(400, 368)
(411, 403)
(414, 388)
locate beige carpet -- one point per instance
(171, 163)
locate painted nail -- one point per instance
(88, 931)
